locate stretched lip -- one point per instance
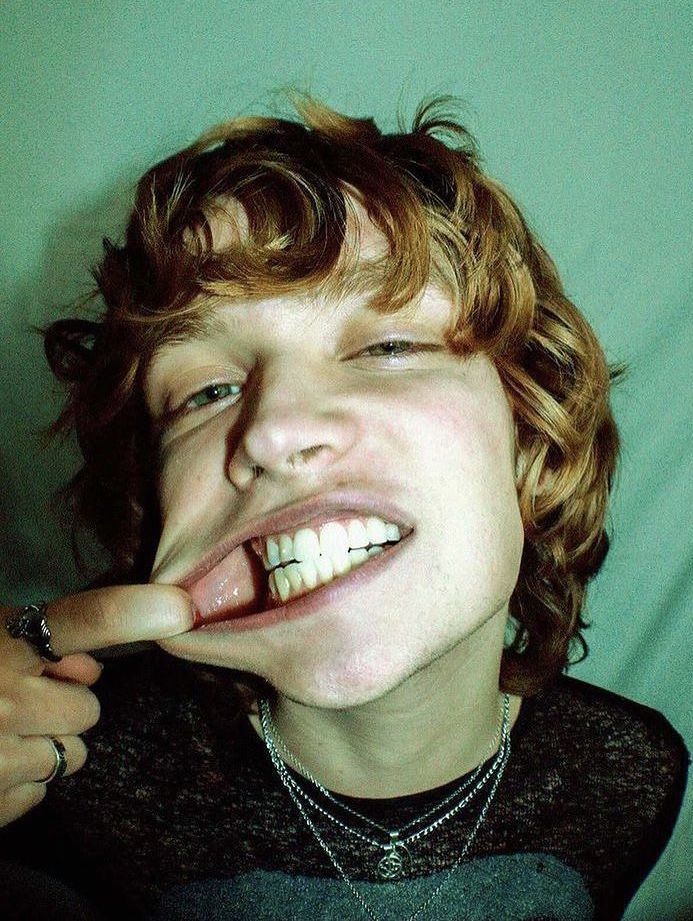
(306, 512)
(312, 602)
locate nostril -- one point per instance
(304, 456)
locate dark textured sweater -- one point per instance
(179, 814)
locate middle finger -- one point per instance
(46, 706)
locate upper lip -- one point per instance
(328, 505)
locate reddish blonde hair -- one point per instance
(443, 219)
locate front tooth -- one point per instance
(334, 540)
(392, 532)
(306, 544)
(272, 553)
(283, 584)
(357, 533)
(309, 573)
(286, 548)
(293, 574)
(325, 568)
(376, 530)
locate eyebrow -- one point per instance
(199, 329)
(206, 326)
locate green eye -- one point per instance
(392, 347)
(212, 394)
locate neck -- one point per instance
(434, 727)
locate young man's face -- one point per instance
(425, 438)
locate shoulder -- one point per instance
(619, 744)
(613, 731)
(609, 775)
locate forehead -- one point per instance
(340, 305)
(315, 318)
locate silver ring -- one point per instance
(60, 765)
(29, 623)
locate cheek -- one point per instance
(466, 459)
(189, 478)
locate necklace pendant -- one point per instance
(396, 861)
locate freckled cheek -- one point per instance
(190, 478)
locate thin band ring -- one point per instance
(60, 765)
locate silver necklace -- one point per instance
(396, 861)
(394, 855)
(275, 741)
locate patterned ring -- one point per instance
(29, 623)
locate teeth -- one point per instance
(309, 573)
(272, 550)
(296, 578)
(334, 542)
(306, 544)
(376, 530)
(391, 532)
(358, 535)
(293, 574)
(282, 583)
(325, 568)
(358, 556)
(286, 548)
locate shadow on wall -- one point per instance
(35, 545)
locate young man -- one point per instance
(340, 414)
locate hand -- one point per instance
(39, 699)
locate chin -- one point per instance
(349, 679)
(327, 679)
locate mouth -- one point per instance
(285, 575)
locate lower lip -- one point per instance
(312, 602)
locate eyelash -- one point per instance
(409, 347)
(414, 346)
(216, 398)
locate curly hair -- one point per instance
(443, 219)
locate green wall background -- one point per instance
(581, 109)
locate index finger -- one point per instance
(118, 614)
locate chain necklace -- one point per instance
(390, 867)
(276, 742)
(397, 859)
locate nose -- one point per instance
(293, 426)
